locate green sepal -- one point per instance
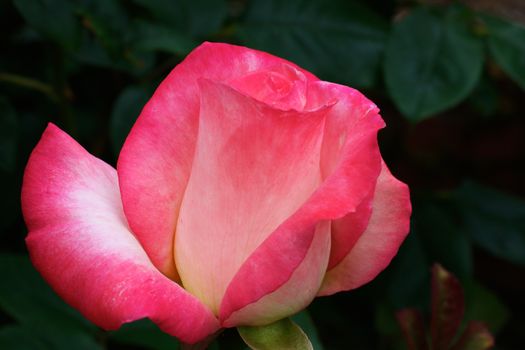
(283, 334)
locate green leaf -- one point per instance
(448, 306)
(108, 22)
(385, 320)
(506, 41)
(55, 19)
(413, 327)
(494, 221)
(338, 40)
(125, 112)
(91, 52)
(26, 298)
(441, 235)
(8, 136)
(30, 301)
(306, 323)
(483, 305)
(60, 338)
(195, 17)
(409, 289)
(432, 62)
(475, 337)
(144, 333)
(110, 38)
(153, 37)
(283, 334)
(485, 97)
(19, 338)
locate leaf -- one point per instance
(108, 22)
(8, 136)
(152, 37)
(408, 274)
(385, 319)
(304, 320)
(506, 41)
(338, 40)
(413, 327)
(442, 237)
(54, 19)
(92, 53)
(475, 337)
(483, 305)
(283, 334)
(26, 298)
(432, 62)
(494, 220)
(485, 97)
(125, 111)
(144, 333)
(30, 301)
(19, 338)
(60, 338)
(110, 38)
(195, 17)
(447, 308)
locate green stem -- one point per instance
(29, 83)
(63, 92)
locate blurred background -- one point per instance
(448, 76)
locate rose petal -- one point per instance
(294, 295)
(388, 227)
(347, 230)
(281, 86)
(80, 242)
(351, 108)
(155, 162)
(349, 174)
(254, 167)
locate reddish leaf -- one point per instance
(447, 308)
(413, 327)
(475, 337)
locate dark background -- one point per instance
(448, 76)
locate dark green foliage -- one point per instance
(144, 333)
(432, 62)
(339, 40)
(507, 45)
(447, 311)
(125, 111)
(494, 220)
(8, 136)
(450, 83)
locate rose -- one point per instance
(246, 188)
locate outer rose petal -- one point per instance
(254, 167)
(155, 162)
(294, 295)
(350, 174)
(388, 227)
(80, 242)
(351, 108)
(347, 230)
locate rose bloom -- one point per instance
(246, 188)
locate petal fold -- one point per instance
(289, 298)
(80, 242)
(389, 224)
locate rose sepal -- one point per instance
(283, 334)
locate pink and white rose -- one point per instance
(246, 188)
